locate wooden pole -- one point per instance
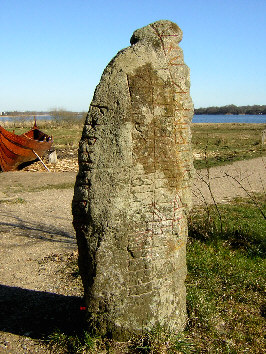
(35, 153)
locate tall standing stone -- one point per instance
(132, 191)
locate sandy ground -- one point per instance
(37, 292)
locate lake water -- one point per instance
(229, 118)
(26, 118)
(202, 118)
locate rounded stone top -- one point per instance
(156, 31)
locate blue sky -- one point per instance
(53, 52)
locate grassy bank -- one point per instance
(213, 143)
(222, 143)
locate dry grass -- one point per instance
(221, 143)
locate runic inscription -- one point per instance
(132, 192)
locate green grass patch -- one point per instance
(160, 341)
(226, 278)
(241, 224)
(19, 188)
(59, 342)
(155, 341)
(69, 185)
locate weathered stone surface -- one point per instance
(132, 191)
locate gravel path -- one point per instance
(37, 238)
(226, 182)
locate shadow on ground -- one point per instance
(35, 230)
(36, 314)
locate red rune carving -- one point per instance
(179, 91)
(177, 85)
(171, 61)
(160, 222)
(170, 48)
(169, 35)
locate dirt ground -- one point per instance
(38, 291)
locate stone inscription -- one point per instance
(132, 193)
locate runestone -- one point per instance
(132, 192)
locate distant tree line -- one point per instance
(232, 109)
(55, 113)
(24, 113)
(64, 115)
